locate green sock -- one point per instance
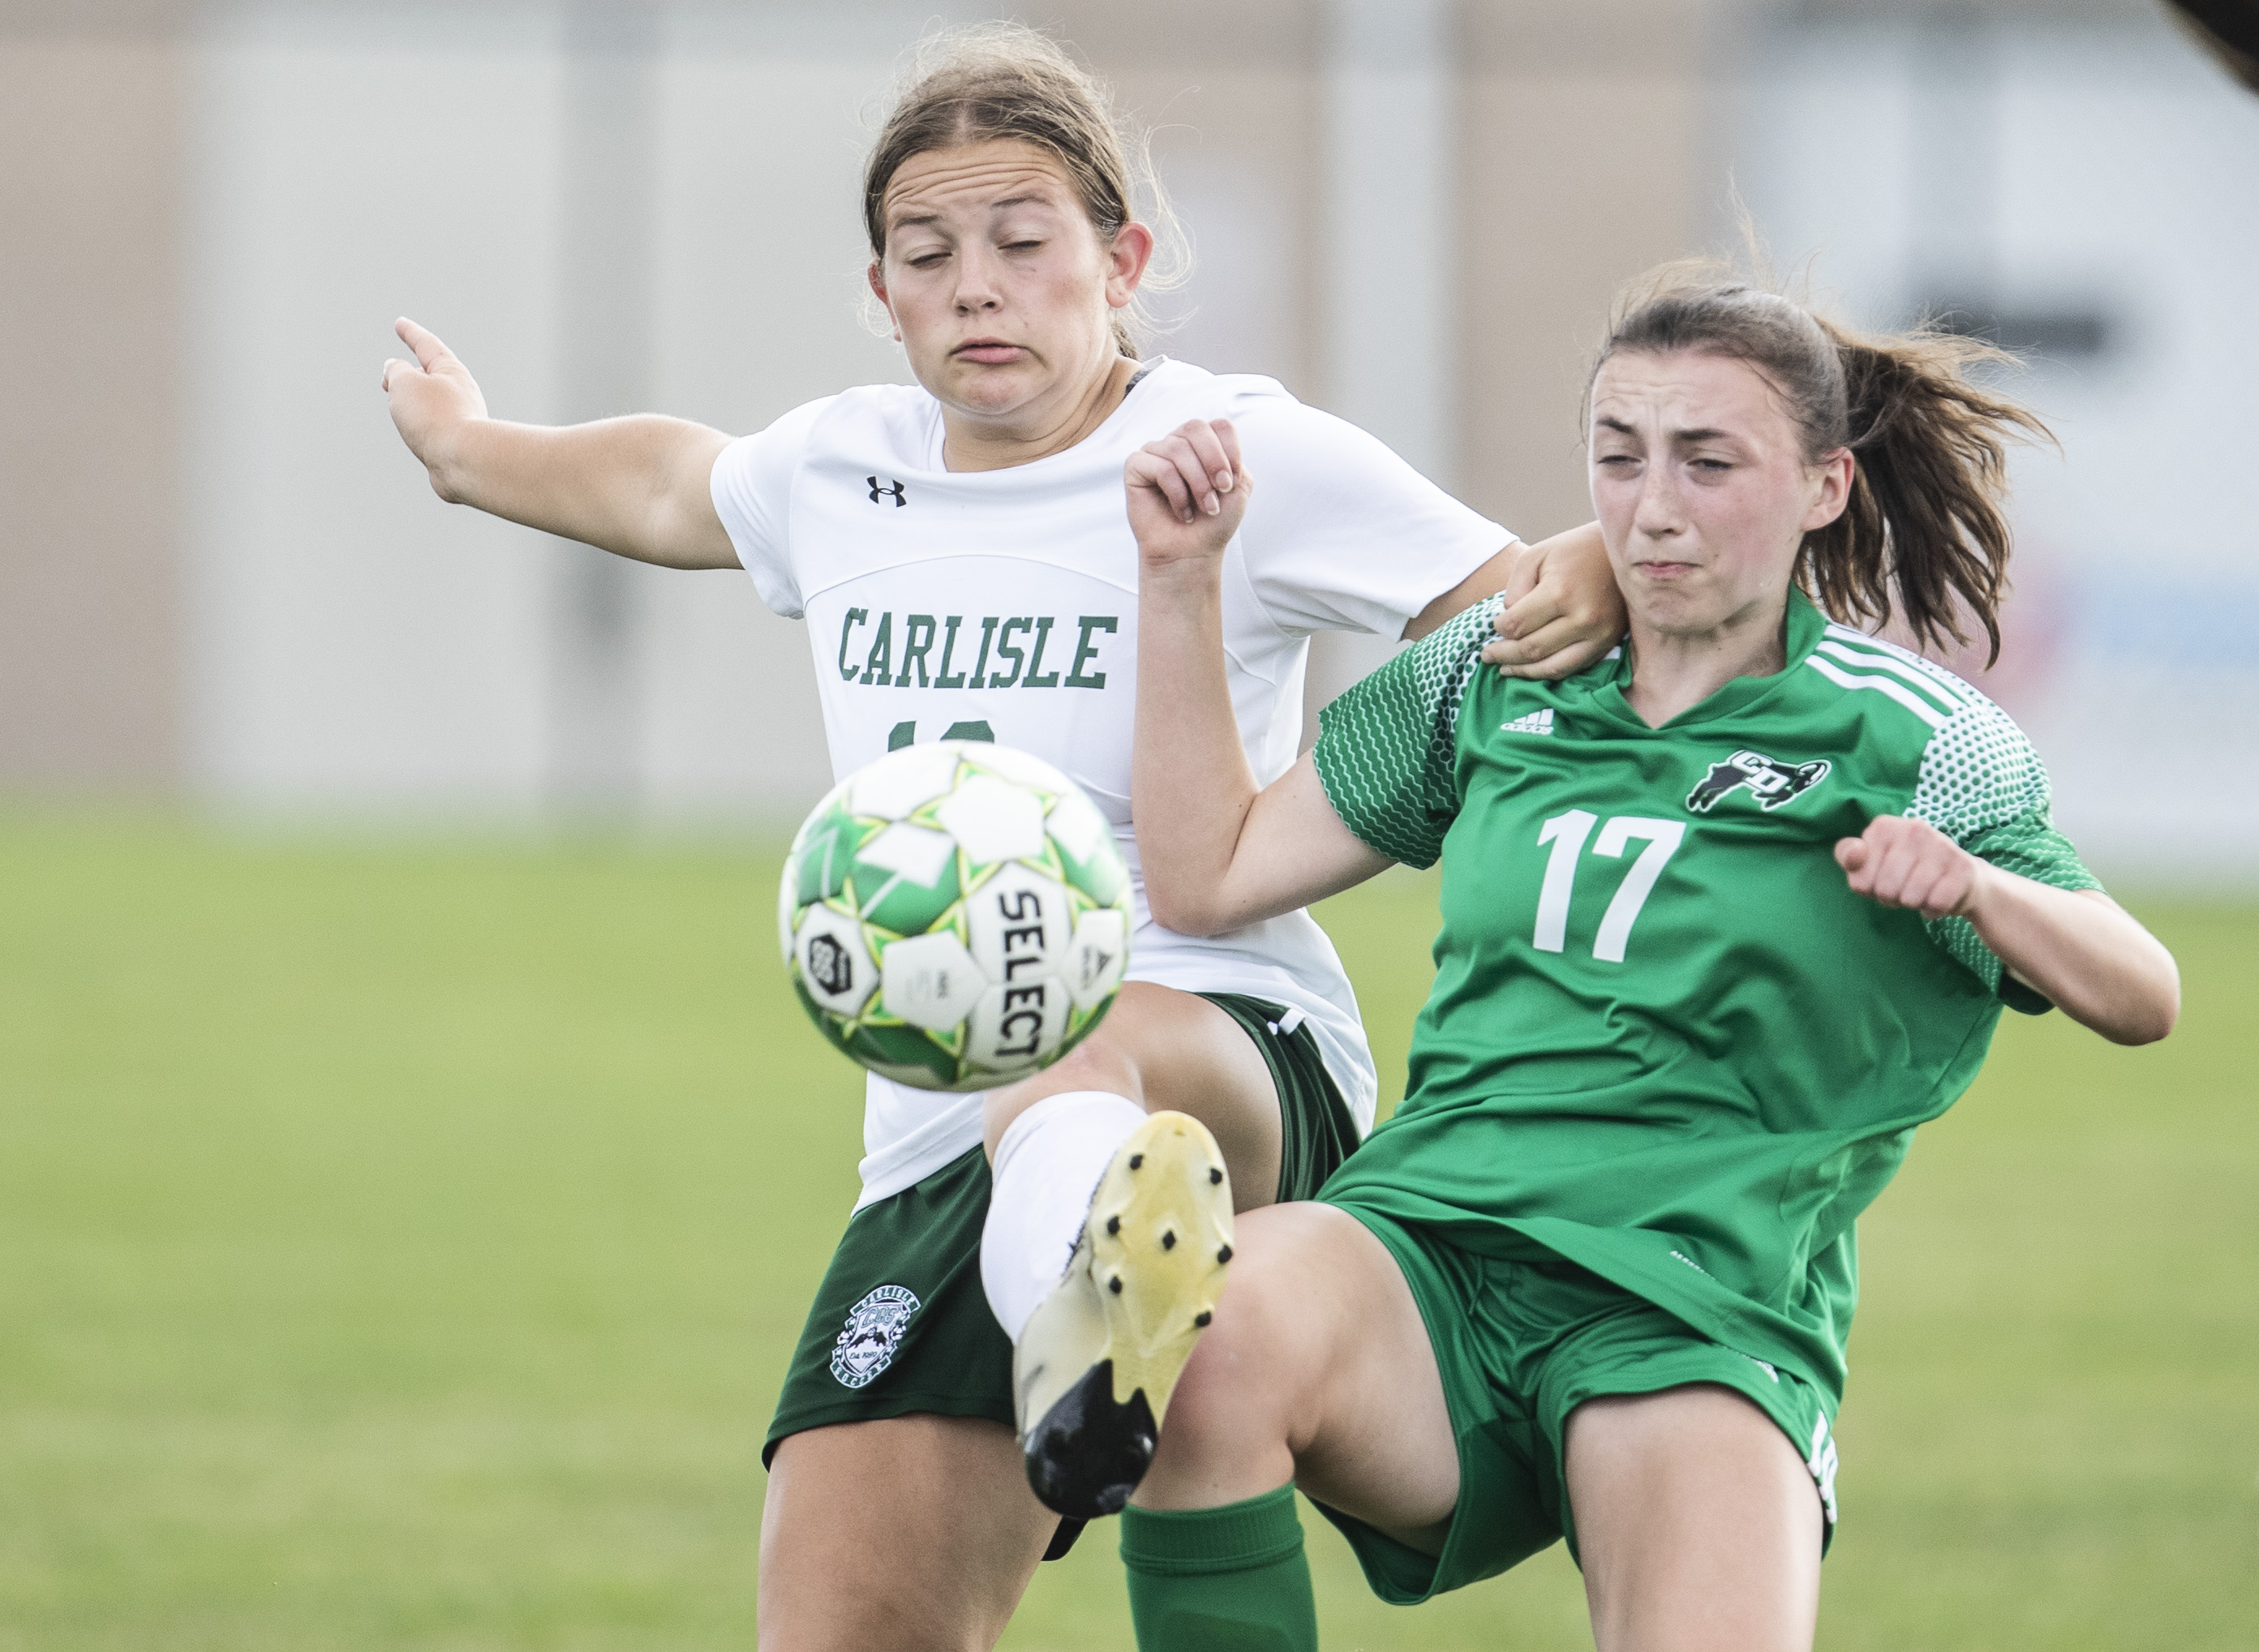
(1229, 1579)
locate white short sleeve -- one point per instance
(1343, 535)
(751, 485)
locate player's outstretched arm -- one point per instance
(638, 487)
(1218, 854)
(2080, 950)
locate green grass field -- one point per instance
(399, 1248)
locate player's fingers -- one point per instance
(1862, 860)
(1907, 855)
(1195, 469)
(1523, 569)
(1918, 883)
(1880, 877)
(1564, 662)
(1896, 869)
(1951, 874)
(1149, 468)
(1208, 452)
(1520, 654)
(1521, 620)
(1142, 473)
(1227, 436)
(1554, 667)
(425, 343)
(1165, 477)
(384, 380)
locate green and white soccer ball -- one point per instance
(955, 915)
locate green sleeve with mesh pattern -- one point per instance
(1982, 786)
(1386, 747)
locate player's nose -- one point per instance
(977, 288)
(1659, 514)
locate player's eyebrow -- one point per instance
(915, 220)
(1693, 436)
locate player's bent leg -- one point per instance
(1100, 1299)
(1101, 1327)
(917, 1533)
(1699, 1527)
(1317, 1371)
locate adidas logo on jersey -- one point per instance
(1535, 723)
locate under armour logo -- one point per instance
(879, 492)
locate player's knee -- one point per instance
(1263, 1355)
(1228, 1412)
(1094, 1064)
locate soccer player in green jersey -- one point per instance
(1726, 915)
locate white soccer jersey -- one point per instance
(1002, 605)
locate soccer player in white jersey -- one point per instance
(961, 552)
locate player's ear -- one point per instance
(1835, 472)
(873, 273)
(1128, 254)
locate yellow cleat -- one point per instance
(1099, 1358)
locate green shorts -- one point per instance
(1520, 1345)
(900, 1323)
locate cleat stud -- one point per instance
(1201, 1319)
(1114, 1284)
(1214, 1176)
(1137, 1161)
(1168, 1242)
(1114, 1224)
(1225, 1255)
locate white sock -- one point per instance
(1047, 1167)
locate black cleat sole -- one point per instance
(1088, 1452)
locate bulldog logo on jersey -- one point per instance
(1770, 783)
(873, 1331)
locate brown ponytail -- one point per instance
(1005, 80)
(1923, 532)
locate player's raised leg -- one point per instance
(1117, 1172)
(917, 1533)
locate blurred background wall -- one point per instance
(223, 580)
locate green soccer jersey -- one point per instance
(1666, 1041)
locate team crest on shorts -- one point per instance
(873, 1331)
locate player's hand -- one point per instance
(1188, 493)
(1901, 862)
(1562, 610)
(432, 397)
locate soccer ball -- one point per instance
(955, 915)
